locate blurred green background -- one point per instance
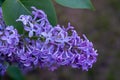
(102, 27)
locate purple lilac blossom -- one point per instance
(10, 35)
(70, 50)
(54, 47)
(36, 25)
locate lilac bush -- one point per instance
(46, 46)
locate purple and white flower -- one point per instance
(53, 47)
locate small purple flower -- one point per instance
(35, 25)
(60, 35)
(25, 19)
(30, 29)
(38, 14)
(10, 35)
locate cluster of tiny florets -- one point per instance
(45, 47)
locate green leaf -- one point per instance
(1, 1)
(45, 5)
(12, 9)
(83, 4)
(15, 73)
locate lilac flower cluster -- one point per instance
(52, 47)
